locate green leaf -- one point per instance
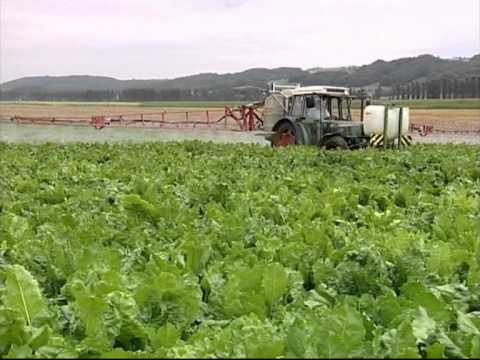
(197, 253)
(389, 307)
(475, 352)
(140, 208)
(266, 350)
(40, 337)
(23, 294)
(340, 334)
(274, 283)
(436, 351)
(122, 354)
(452, 350)
(58, 347)
(19, 352)
(165, 337)
(445, 258)
(91, 310)
(165, 297)
(423, 326)
(295, 341)
(243, 293)
(421, 296)
(466, 325)
(401, 342)
(13, 330)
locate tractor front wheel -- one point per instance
(284, 136)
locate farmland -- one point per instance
(195, 249)
(440, 118)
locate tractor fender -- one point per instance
(282, 121)
(300, 130)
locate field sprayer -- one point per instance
(289, 115)
(241, 118)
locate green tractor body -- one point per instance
(315, 115)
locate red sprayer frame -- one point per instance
(245, 118)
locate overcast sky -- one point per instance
(170, 38)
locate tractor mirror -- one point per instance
(310, 102)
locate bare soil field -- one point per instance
(435, 138)
(440, 119)
(75, 111)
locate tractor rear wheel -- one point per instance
(335, 142)
(284, 136)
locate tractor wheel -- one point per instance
(335, 142)
(284, 136)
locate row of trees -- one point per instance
(433, 89)
(136, 95)
(430, 89)
(225, 94)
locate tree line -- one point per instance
(136, 95)
(429, 89)
(433, 89)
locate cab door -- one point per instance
(297, 110)
(313, 109)
(314, 118)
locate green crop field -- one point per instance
(194, 249)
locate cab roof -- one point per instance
(322, 90)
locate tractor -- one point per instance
(322, 116)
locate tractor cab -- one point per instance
(314, 115)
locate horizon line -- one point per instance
(455, 58)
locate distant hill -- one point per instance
(388, 77)
(62, 83)
(348, 69)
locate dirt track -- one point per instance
(447, 139)
(439, 119)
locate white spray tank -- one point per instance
(373, 120)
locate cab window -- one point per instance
(297, 109)
(313, 111)
(333, 109)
